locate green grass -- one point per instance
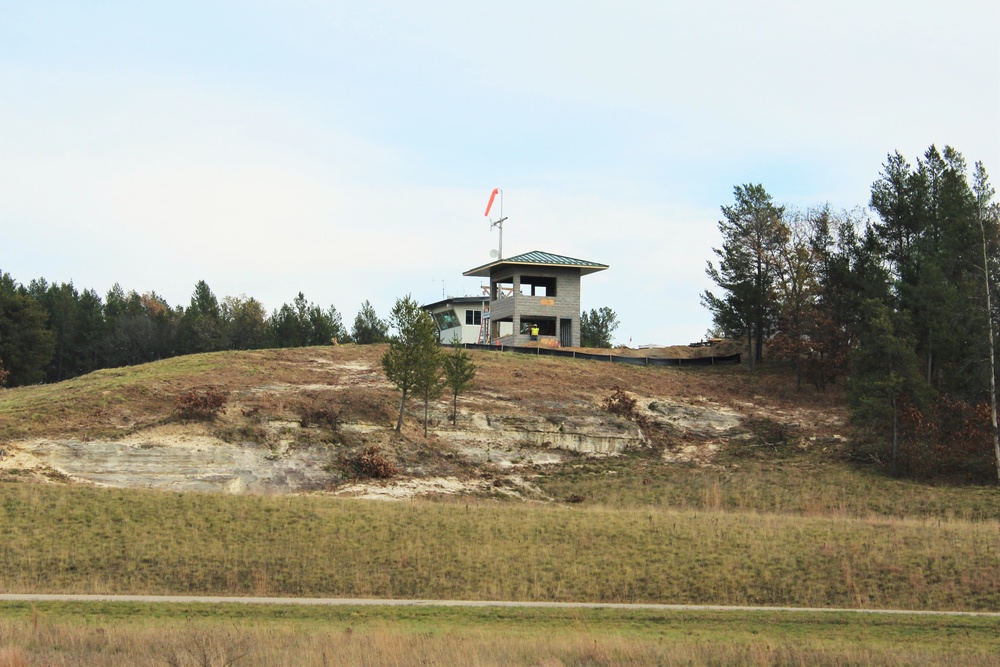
(141, 634)
(74, 539)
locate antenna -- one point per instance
(496, 223)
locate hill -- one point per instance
(717, 486)
(299, 419)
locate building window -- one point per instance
(474, 317)
(446, 320)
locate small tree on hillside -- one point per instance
(597, 326)
(429, 382)
(458, 373)
(368, 328)
(412, 362)
(3, 374)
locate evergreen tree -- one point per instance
(76, 321)
(201, 327)
(141, 328)
(303, 323)
(26, 344)
(929, 230)
(285, 330)
(368, 328)
(412, 362)
(459, 371)
(937, 246)
(244, 323)
(884, 374)
(325, 326)
(753, 233)
(849, 270)
(597, 326)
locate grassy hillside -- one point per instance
(76, 539)
(107, 402)
(771, 513)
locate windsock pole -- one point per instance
(498, 223)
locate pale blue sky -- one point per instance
(347, 150)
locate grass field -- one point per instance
(100, 634)
(77, 539)
(780, 526)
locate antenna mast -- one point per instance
(497, 223)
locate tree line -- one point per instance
(51, 331)
(900, 304)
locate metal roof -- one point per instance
(458, 300)
(539, 258)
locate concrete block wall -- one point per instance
(523, 307)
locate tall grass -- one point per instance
(803, 486)
(74, 539)
(542, 638)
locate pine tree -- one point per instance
(201, 327)
(753, 233)
(884, 374)
(368, 328)
(26, 345)
(412, 362)
(459, 372)
(597, 326)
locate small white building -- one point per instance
(461, 316)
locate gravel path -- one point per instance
(369, 602)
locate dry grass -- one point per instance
(117, 634)
(74, 539)
(802, 485)
(107, 402)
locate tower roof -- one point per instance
(538, 258)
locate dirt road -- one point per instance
(369, 602)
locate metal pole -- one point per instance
(500, 248)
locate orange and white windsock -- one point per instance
(492, 197)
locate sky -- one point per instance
(347, 150)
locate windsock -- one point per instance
(492, 197)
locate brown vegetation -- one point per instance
(201, 403)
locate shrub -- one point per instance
(371, 462)
(622, 405)
(319, 416)
(201, 403)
